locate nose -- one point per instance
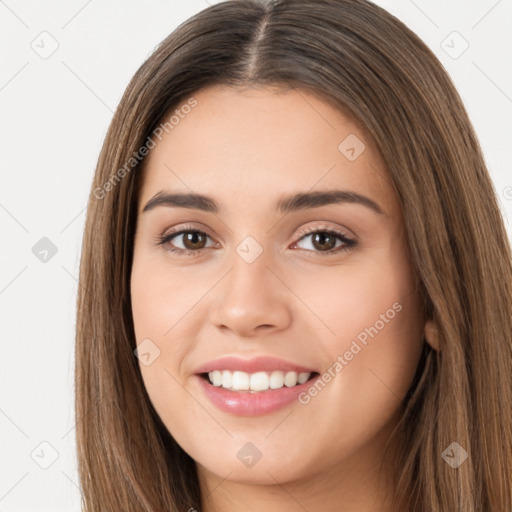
(251, 299)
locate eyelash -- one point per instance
(303, 233)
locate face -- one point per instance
(303, 312)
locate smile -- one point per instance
(256, 382)
(258, 386)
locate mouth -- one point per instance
(257, 382)
(251, 387)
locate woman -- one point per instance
(296, 285)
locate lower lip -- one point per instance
(244, 403)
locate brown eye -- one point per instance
(194, 240)
(325, 242)
(186, 241)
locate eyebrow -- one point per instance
(295, 202)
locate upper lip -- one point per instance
(256, 364)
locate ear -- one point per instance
(432, 334)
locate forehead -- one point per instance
(253, 144)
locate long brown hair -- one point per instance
(365, 62)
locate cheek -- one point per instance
(167, 309)
(161, 297)
(161, 302)
(372, 300)
(370, 361)
(378, 321)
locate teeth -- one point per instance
(303, 377)
(240, 382)
(290, 379)
(259, 381)
(227, 379)
(215, 378)
(276, 380)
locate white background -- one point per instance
(54, 116)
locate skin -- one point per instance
(247, 148)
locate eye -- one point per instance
(324, 241)
(192, 239)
